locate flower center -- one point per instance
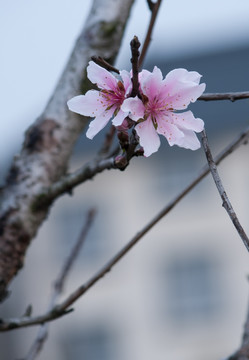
(156, 107)
(116, 97)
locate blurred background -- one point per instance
(182, 292)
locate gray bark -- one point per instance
(49, 141)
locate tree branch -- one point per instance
(49, 141)
(102, 62)
(68, 182)
(243, 352)
(135, 44)
(62, 308)
(154, 7)
(225, 96)
(225, 200)
(59, 284)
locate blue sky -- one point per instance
(37, 36)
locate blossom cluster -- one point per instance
(159, 110)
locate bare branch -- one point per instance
(49, 141)
(68, 182)
(59, 284)
(151, 4)
(154, 7)
(225, 96)
(243, 352)
(225, 200)
(61, 309)
(245, 339)
(135, 45)
(17, 323)
(102, 62)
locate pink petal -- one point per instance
(189, 141)
(167, 128)
(100, 76)
(135, 107)
(182, 99)
(151, 84)
(98, 123)
(186, 120)
(125, 125)
(181, 75)
(119, 118)
(143, 75)
(182, 87)
(126, 78)
(148, 137)
(90, 104)
(193, 76)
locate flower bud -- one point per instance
(120, 161)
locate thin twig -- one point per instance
(243, 352)
(151, 4)
(154, 11)
(225, 200)
(225, 96)
(242, 139)
(62, 309)
(128, 143)
(102, 62)
(245, 338)
(68, 182)
(135, 44)
(59, 284)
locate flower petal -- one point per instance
(151, 84)
(100, 76)
(143, 75)
(98, 123)
(148, 137)
(182, 99)
(189, 141)
(182, 87)
(181, 75)
(126, 78)
(186, 120)
(119, 118)
(134, 106)
(91, 104)
(167, 128)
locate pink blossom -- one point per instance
(155, 113)
(105, 104)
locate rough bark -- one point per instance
(49, 141)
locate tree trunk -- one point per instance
(49, 141)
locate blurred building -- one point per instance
(182, 292)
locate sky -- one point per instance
(37, 36)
